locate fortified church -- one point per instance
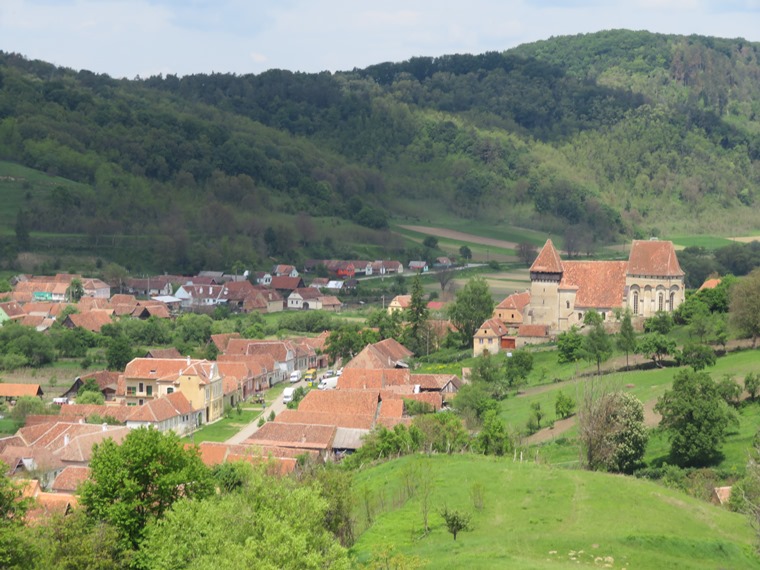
(561, 292)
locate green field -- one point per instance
(708, 242)
(536, 517)
(224, 428)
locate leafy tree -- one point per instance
(91, 398)
(597, 345)
(656, 347)
(626, 338)
(569, 346)
(430, 241)
(89, 385)
(473, 401)
(193, 329)
(465, 252)
(417, 317)
(28, 405)
(729, 390)
(441, 433)
(444, 277)
(564, 405)
(698, 356)
(744, 308)
(136, 482)
(536, 415)
(472, 307)
(611, 428)
(387, 324)
(456, 521)
(75, 290)
(348, 340)
(701, 322)
(487, 373)
(493, 438)
(752, 384)
(695, 417)
(517, 367)
(254, 527)
(119, 353)
(661, 322)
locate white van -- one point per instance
(287, 395)
(328, 383)
(295, 376)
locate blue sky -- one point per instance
(126, 38)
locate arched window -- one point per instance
(568, 304)
(580, 316)
(635, 302)
(672, 301)
(660, 301)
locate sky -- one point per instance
(130, 38)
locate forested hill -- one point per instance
(615, 134)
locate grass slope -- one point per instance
(539, 517)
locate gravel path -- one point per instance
(461, 236)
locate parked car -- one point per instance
(328, 383)
(295, 376)
(287, 395)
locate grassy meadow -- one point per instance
(536, 516)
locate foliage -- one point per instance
(91, 398)
(348, 340)
(729, 390)
(698, 356)
(536, 415)
(661, 322)
(517, 367)
(489, 376)
(29, 405)
(472, 307)
(22, 346)
(744, 309)
(119, 353)
(417, 407)
(256, 526)
(89, 385)
(564, 405)
(569, 346)
(416, 316)
(611, 428)
(298, 395)
(695, 417)
(752, 384)
(387, 324)
(656, 347)
(456, 521)
(493, 438)
(597, 344)
(474, 400)
(136, 482)
(626, 338)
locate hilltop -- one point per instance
(536, 516)
(616, 134)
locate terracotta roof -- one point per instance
(286, 283)
(492, 327)
(403, 301)
(18, 390)
(358, 421)
(38, 308)
(340, 402)
(13, 309)
(157, 310)
(168, 368)
(124, 299)
(238, 290)
(516, 301)
(258, 364)
(234, 370)
(221, 339)
(372, 378)
(70, 478)
(384, 354)
(214, 453)
(710, 283)
(307, 293)
(330, 301)
(104, 378)
(391, 408)
(89, 303)
(548, 260)
(599, 284)
(72, 412)
(91, 320)
(302, 436)
(164, 353)
(434, 381)
(533, 330)
(42, 458)
(161, 409)
(653, 257)
(276, 349)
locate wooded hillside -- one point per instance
(618, 134)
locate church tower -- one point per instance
(545, 275)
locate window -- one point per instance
(170, 390)
(660, 301)
(672, 301)
(149, 390)
(481, 340)
(490, 341)
(580, 316)
(141, 388)
(635, 302)
(141, 401)
(131, 391)
(568, 304)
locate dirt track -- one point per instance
(461, 236)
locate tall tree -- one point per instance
(136, 482)
(744, 307)
(417, 316)
(626, 339)
(597, 345)
(472, 307)
(695, 417)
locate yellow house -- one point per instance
(488, 337)
(199, 381)
(399, 303)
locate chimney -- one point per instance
(188, 360)
(66, 440)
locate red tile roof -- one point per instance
(70, 478)
(161, 409)
(12, 309)
(599, 284)
(548, 260)
(164, 353)
(492, 327)
(341, 402)
(104, 378)
(18, 390)
(221, 340)
(168, 368)
(298, 436)
(354, 421)
(710, 283)
(515, 301)
(533, 330)
(653, 257)
(372, 378)
(91, 320)
(73, 412)
(384, 354)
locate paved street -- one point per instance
(277, 406)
